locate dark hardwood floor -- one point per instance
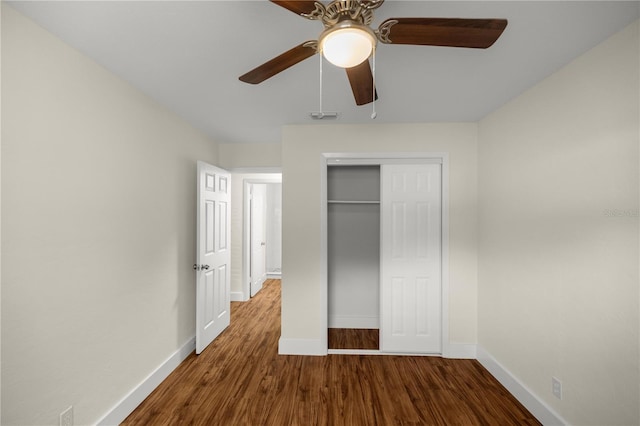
(354, 338)
(241, 380)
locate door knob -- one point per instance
(197, 267)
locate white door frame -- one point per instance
(372, 159)
(246, 230)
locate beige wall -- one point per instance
(558, 227)
(302, 305)
(98, 220)
(248, 155)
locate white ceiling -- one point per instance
(189, 55)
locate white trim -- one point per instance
(323, 296)
(375, 352)
(375, 158)
(238, 296)
(444, 258)
(459, 351)
(355, 352)
(130, 402)
(378, 158)
(341, 321)
(256, 170)
(545, 414)
(301, 347)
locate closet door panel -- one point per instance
(411, 258)
(398, 230)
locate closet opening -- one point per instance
(353, 225)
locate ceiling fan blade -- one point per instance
(361, 80)
(280, 63)
(297, 6)
(452, 32)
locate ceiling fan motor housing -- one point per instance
(351, 10)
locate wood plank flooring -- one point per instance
(354, 338)
(241, 380)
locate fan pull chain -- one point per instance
(321, 114)
(320, 111)
(374, 114)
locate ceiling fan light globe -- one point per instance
(347, 47)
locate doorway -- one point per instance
(262, 232)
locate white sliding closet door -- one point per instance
(411, 285)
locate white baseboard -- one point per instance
(336, 321)
(237, 296)
(129, 403)
(545, 414)
(302, 347)
(459, 351)
(375, 352)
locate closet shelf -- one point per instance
(353, 201)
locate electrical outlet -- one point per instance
(66, 417)
(556, 387)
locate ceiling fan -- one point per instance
(348, 40)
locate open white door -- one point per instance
(258, 263)
(213, 307)
(411, 284)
